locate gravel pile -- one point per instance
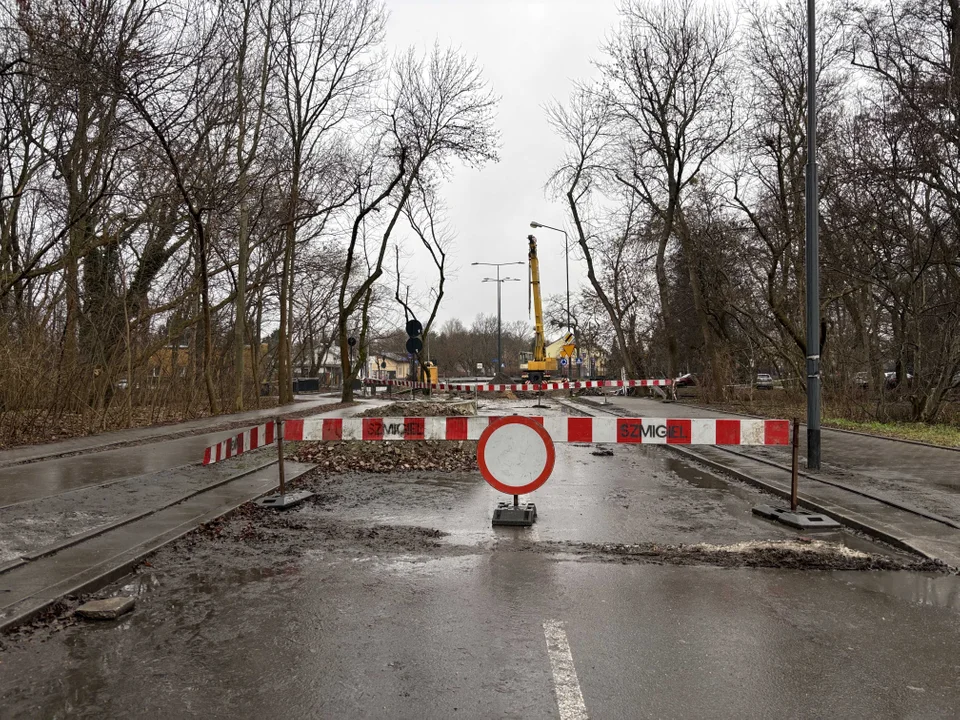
(390, 457)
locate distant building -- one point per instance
(389, 366)
(174, 361)
(168, 362)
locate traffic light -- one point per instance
(414, 343)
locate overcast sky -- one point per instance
(531, 53)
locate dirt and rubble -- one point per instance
(799, 554)
(419, 501)
(333, 458)
(356, 515)
(424, 408)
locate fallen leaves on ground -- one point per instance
(34, 431)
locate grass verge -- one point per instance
(946, 435)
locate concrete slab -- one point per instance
(800, 519)
(508, 514)
(285, 501)
(107, 608)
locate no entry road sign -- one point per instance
(515, 455)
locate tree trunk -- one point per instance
(240, 312)
(663, 289)
(615, 319)
(346, 371)
(715, 379)
(284, 376)
(205, 310)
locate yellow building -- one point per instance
(387, 366)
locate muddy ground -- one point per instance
(388, 594)
(385, 508)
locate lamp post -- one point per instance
(499, 283)
(812, 260)
(566, 254)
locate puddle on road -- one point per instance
(915, 588)
(695, 476)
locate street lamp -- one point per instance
(566, 254)
(499, 283)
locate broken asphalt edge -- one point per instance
(845, 517)
(130, 558)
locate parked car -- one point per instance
(861, 380)
(890, 379)
(685, 380)
(764, 381)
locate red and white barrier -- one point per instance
(255, 437)
(685, 431)
(520, 387)
(657, 431)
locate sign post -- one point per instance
(516, 456)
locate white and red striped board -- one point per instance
(520, 387)
(255, 437)
(657, 431)
(663, 431)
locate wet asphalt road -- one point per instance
(21, 483)
(918, 475)
(407, 637)
(338, 618)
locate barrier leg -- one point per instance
(795, 470)
(282, 499)
(794, 517)
(283, 485)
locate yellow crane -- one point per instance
(539, 367)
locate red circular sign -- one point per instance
(520, 458)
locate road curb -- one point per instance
(95, 532)
(131, 558)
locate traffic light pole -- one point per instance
(812, 260)
(499, 334)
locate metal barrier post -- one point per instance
(795, 470)
(283, 486)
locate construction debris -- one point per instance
(390, 457)
(424, 408)
(106, 609)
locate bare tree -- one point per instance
(669, 70)
(424, 213)
(768, 185)
(325, 63)
(440, 110)
(587, 125)
(250, 33)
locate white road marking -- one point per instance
(565, 682)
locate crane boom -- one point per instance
(540, 364)
(539, 343)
